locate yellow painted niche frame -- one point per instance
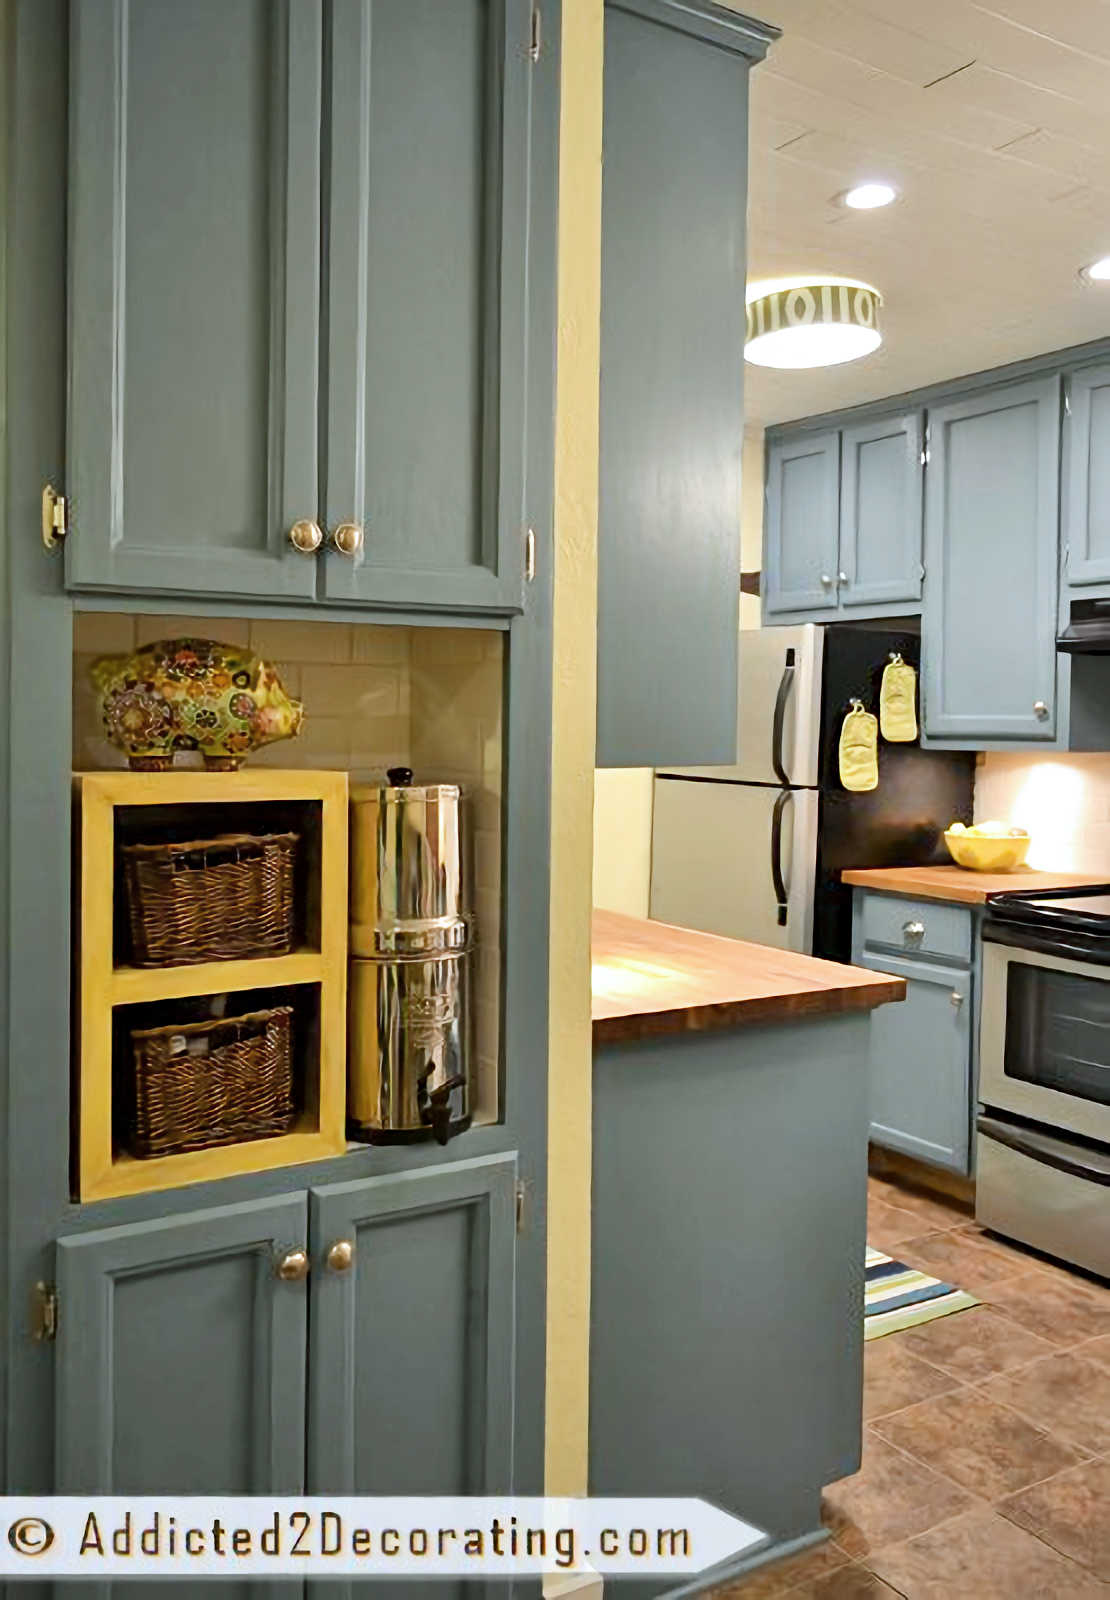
(102, 1173)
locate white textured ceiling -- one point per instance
(994, 121)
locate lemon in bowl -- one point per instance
(987, 846)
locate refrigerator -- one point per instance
(755, 851)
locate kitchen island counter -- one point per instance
(651, 978)
(959, 885)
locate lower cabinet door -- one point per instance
(921, 1064)
(181, 1364)
(411, 1356)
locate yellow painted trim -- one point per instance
(102, 1173)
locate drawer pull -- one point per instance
(914, 932)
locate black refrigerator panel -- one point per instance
(901, 823)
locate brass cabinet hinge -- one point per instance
(536, 41)
(55, 516)
(44, 1313)
(521, 1200)
(529, 554)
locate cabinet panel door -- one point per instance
(672, 338)
(411, 1369)
(1087, 477)
(181, 1362)
(193, 294)
(991, 527)
(880, 512)
(430, 112)
(921, 1063)
(802, 543)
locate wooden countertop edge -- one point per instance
(968, 889)
(713, 1017)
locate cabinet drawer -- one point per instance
(917, 927)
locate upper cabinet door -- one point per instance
(991, 527)
(181, 1357)
(880, 512)
(672, 341)
(801, 556)
(428, 245)
(1087, 477)
(193, 294)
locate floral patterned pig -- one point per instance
(192, 694)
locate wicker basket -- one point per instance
(199, 1084)
(211, 899)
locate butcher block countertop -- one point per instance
(959, 885)
(652, 978)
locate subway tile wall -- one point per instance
(375, 697)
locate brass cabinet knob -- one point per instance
(306, 536)
(826, 579)
(292, 1266)
(1040, 710)
(341, 1255)
(842, 577)
(956, 998)
(346, 539)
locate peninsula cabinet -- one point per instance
(991, 519)
(252, 414)
(354, 1339)
(844, 521)
(672, 337)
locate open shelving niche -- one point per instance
(375, 695)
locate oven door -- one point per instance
(1045, 1040)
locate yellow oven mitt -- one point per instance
(898, 702)
(859, 750)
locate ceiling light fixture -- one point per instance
(869, 196)
(1097, 272)
(814, 321)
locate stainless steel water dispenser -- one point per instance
(409, 1044)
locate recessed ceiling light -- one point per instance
(1098, 271)
(869, 196)
(812, 321)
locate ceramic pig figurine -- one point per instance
(192, 694)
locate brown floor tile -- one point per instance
(1096, 1350)
(1057, 1305)
(1062, 1392)
(771, 1582)
(983, 1446)
(893, 1378)
(1071, 1512)
(889, 1499)
(935, 1210)
(982, 1556)
(975, 1344)
(846, 1583)
(887, 1226)
(1023, 1260)
(953, 1257)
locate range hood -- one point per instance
(1088, 631)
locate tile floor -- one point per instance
(986, 1454)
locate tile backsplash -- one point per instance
(1063, 800)
(375, 697)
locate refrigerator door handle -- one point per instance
(786, 685)
(782, 800)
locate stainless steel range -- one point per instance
(1043, 1167)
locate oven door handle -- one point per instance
(1020, 936)
(1048, 1151)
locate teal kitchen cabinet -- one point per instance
(229, 379)
(922, 1054)
(674, 202)
(801, 552)
(843, 521)
(180, 1355)
(991, 523)
(1086, 485)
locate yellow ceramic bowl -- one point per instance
(982, 852)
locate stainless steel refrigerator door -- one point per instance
(712, 865)
(778, 709)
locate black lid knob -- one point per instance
(399, 777)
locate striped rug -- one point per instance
(897, 1297)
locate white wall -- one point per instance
(622, 838)
(1063, 800)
